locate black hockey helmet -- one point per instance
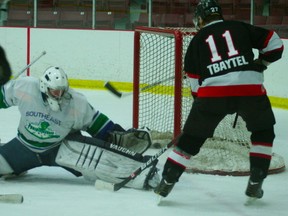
(206, 8)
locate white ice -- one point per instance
(50, 191)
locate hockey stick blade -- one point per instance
(11, 198)
(133, 175)
(114, 91)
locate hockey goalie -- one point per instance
(52, 118)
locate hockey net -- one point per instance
(162, 101)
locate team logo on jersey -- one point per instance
(41, 130)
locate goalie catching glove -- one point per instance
(137, 140)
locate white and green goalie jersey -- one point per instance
(40, 128)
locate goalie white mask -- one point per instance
(54, 85)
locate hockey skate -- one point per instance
(164, 188)
(254, 189)
(170, 176)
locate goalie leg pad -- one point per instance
(5, 168)
(137, 140)
(97, 163)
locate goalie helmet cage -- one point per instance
(162, 104)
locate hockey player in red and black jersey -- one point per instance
(226, 78)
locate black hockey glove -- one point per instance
(5, 70)
(259, 65)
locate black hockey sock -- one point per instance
(172, 172)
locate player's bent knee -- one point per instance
(190, 144)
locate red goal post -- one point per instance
(162, 101)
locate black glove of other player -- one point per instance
(5, 70)
(259, 65)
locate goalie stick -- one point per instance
(119, 94)
(11, 198)
(29, 65)
(99, 184)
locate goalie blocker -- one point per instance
(111, 163)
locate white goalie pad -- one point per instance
(97, 163)
(5, 168)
